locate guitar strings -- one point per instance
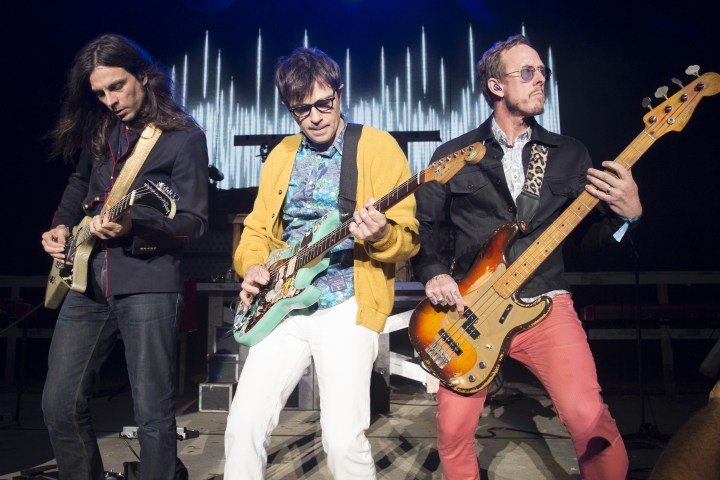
(628, 157)
(309, 252)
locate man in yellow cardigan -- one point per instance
(299, 185)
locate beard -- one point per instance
(529, 108)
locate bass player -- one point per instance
(481, 198)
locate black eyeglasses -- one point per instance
(528, 73)
(301, 111)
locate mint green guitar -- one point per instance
(293, 269)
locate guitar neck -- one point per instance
(310, 252)
(526, 265)
(84, 234)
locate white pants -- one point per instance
(343, 353)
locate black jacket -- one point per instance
(458, 218)
(149, 258)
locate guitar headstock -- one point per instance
(674, 113)
(158, 196)
(443, 169)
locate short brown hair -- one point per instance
(296, 74)
(490, 65)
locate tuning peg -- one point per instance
(677, 82)
(693, 70)
(661, 92)
(646, 103)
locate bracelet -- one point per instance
(630, 220)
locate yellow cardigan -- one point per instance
(382, 166)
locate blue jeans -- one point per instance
(86, 330)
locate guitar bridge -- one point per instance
(438, 354)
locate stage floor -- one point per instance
(521, 440)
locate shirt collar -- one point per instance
(502, 138)
(539, 134)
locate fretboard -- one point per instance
(310, 252)
(526, 265)
(84, 234)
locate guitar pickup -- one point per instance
(469, 324)
(450, 342)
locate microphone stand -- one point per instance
(646, 430)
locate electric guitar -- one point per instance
(465, 351)
(72, 273)
(293, 269)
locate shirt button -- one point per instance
(280, 192)
(272, 216)
(511, 210)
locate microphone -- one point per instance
(215, 174)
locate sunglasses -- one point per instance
(528, 73)
(301, 111)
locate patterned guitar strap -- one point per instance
(529, 198)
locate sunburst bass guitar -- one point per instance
(465, 351)
(293, 269)
(73, 273)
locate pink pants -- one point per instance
(557, 352)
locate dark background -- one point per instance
(608, 57)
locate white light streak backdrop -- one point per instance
(414, 95)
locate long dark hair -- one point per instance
(84, 122)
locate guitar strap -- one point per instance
(148, 138)
(529, 198)
(349, 171)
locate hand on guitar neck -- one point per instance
(370, 225)
(616, 187)
(102, 227)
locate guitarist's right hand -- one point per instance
(255, 276)
(53, 241)
(443, 290)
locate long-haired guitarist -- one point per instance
(500, 190)
(134, 281)
(338, 330)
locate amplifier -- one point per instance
(216, 397)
